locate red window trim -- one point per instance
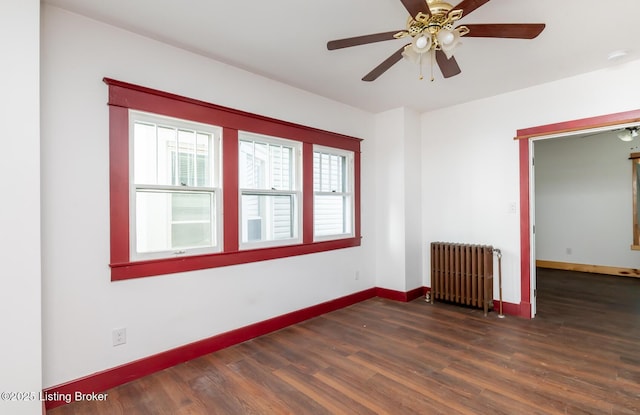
(124, 96)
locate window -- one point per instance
(174, 188)
(194, 185)
(269, 191)
(333, 194)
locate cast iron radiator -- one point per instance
(462, 274)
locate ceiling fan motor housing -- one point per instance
(441, 17)
(439, 7)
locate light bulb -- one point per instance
(445, 37)
(421, 42)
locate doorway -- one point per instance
(526, 139)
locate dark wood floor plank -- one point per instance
(578, 356)
(440, 398)
(326, 395)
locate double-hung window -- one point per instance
(194, 185)
(333, 202)
(175, 194)
(270, 191)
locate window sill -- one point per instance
(139, 269)
(635, 247)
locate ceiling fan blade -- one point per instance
(467, 6)
(386, 64)
(448, 66)
(361, 40)
(512, 31)
(416, 6)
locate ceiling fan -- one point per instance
(431, 29)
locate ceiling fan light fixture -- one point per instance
(446, 37)
(628, 134)
(409, 54)
(625, 136)
(450, 41)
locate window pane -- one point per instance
(170, 220)
(167, 161)
(203, 160)
(145, 150)
(268, 217)
(337, 176)
(316, 171)
(331, 215)
(186, 160)
(245, 162)
(281, 167)
(260, 156)
(324, 173)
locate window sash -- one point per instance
(269, 171)
(172, 158)
(268, 163)
(269, 218)
(333, 202)
(163, 219)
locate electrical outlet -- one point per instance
(119, 336)
(357, 275)
(569, 251)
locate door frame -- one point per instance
(526, 137)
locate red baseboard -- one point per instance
(509, 308)
(400, 295)
(525, 309)
(110, 378)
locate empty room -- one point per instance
(403, 206)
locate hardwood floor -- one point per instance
(580, 355)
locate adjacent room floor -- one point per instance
(578, 356)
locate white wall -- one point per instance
(389, 178)
(81, 305)
(20, 278)
(470, 160)
(413, 200)
(397, 178)
(583, 201)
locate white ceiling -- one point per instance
(286, 40)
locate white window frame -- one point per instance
(296, 192)
(215, 190)
(348, 191)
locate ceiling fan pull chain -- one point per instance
(433, 52)
(420, 77)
